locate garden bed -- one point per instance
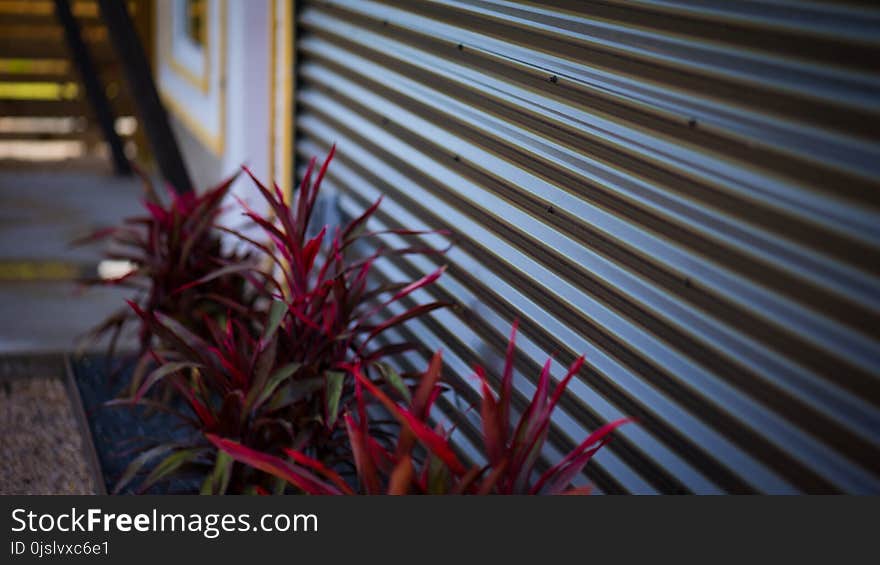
(119, 433)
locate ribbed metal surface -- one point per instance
(686, 192)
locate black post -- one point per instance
(95, 93)
(140, 79)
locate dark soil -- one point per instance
(120, 433)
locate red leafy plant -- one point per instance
(178, 265)
(273, 376)
(422, 460)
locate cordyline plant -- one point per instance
(511, 448)
(172, 247)
(274, 376)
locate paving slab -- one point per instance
(41, 212)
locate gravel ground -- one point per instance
(41, 448)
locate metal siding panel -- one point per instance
(687, 192)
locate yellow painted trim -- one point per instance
(202, 81)
(288, 106)
(39, 270)
(43, 90)
(216, 143)
(39, 8)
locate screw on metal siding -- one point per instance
(456, 158)
(551, 210)
(692, 123)
(460, 47)
(554, 79)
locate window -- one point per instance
(194, 21)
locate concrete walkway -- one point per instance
(43, 449)
(40, 213)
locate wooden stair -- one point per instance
(45, 117)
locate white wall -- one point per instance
(225, 123)
(247, 95)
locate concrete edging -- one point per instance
(88, 444)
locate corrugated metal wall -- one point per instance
(687, 192)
